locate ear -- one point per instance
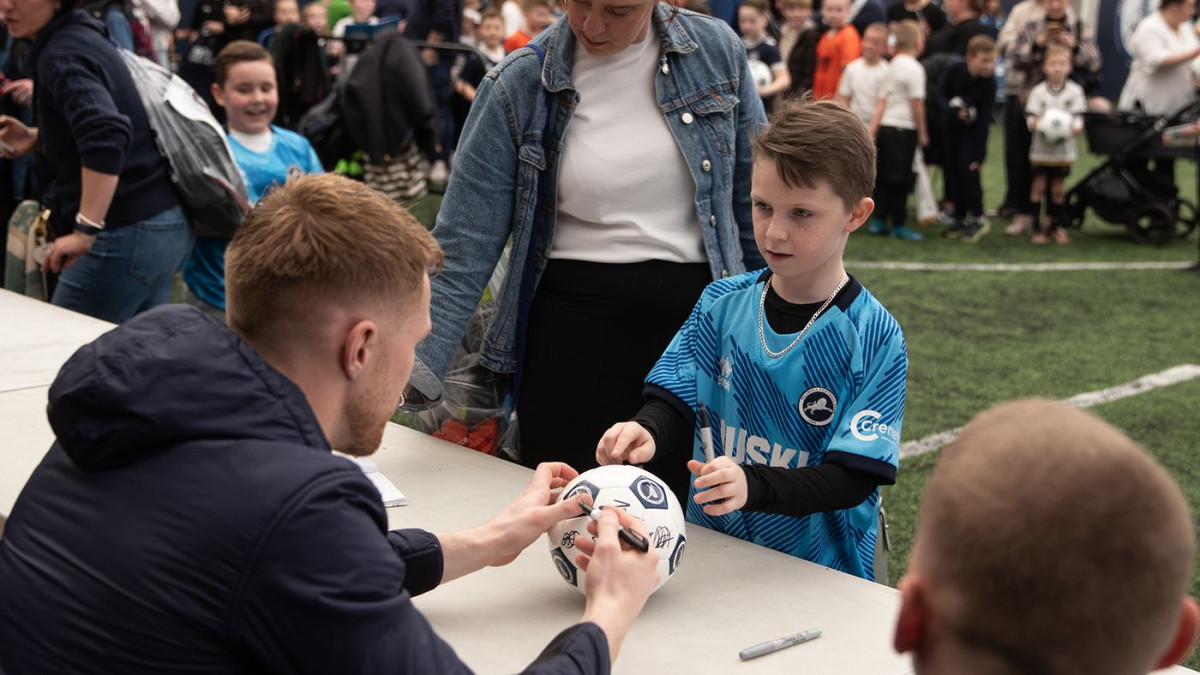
(914, 614)
(218, 94)
(860, 213)
(1185, 635)
(358, 347)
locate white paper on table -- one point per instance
(392, 496)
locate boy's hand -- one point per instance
(923, 139)
(625, 443)
(720, 479)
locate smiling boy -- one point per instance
(801, 369)
(266, 155)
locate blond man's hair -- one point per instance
(1050, 540)
(323, 241)
(908, 33)
(819, 141)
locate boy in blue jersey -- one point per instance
(801, 369)
(266, 154)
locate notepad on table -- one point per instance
(392, 496)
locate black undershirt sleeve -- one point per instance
(791, 492)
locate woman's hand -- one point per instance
(19, 138)
(235, 15)
(67, 250)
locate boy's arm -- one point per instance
(782, 81)
(877, 118)
(806, 490)
(918, 113)
(673, 432)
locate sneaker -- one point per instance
(902, 232)
(1059, 235)
(1020, 225)
(945, 217)
(955, 230)
(439, 173)
(876, 226)
(1039, 238)
(974, 230)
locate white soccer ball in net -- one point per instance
(761, 73)
(1055, 125)
(635, 491)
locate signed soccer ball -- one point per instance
(635, 491)
(761, 73)
(1055, 125)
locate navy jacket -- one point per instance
(89, 114)
(191, 518)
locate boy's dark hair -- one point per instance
(981, 44)
(490, 13)
(814, 141)
(760, 5)
(238, 51)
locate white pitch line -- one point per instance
(1017, 267)
(1141, 385)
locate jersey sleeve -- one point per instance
(866, 436)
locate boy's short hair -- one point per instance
(908, 33)
(491, 13)
(797, 3)
(1056, 48)
(1048, 536)
(323, 241)
(238, 51)
(980, 44)
(819, 141)
(877, 26)
(760, 6)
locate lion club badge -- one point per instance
(817, 406)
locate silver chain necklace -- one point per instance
(762, 303)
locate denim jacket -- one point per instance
(705, 92)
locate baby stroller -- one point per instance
(1122, 194)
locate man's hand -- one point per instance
(619, 578)
(720, 479)
(625, 443)
(19, 138)
(20, 90)
(235, 15)
(67, 250)
(531, 514)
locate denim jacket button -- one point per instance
(724, 273)
(706, 166)
(712, 220)
(687, 118)
(666, 68)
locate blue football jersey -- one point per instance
(290, 155)
(837, 397)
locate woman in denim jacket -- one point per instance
(617, 160)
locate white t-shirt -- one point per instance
(905, 80)
(1069, 98)
(861, 83)
(1160, 91)
(514, 18)
(625, 193)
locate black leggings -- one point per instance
(595, 331)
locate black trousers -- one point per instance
(1017, 139)
(894, 150)
(595, 331)
(962, 184)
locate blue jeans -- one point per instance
(130, 268)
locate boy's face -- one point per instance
(362, 9)
(316, 18)
(874, 43)
(982, 64)
(491, 32)
(286, 11)
(538, 18)
(752, 22)
(797, 15)
(1057, 67)
(249, 96)
(834, 13)
(801, 231)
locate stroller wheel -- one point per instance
(1152, 224)
(1077, 209)
(1185, 218)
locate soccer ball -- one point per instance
(760, 73)
(1055, 126)
(635, 491)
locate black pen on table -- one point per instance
(625, 534)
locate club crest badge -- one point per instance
(817, 406)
